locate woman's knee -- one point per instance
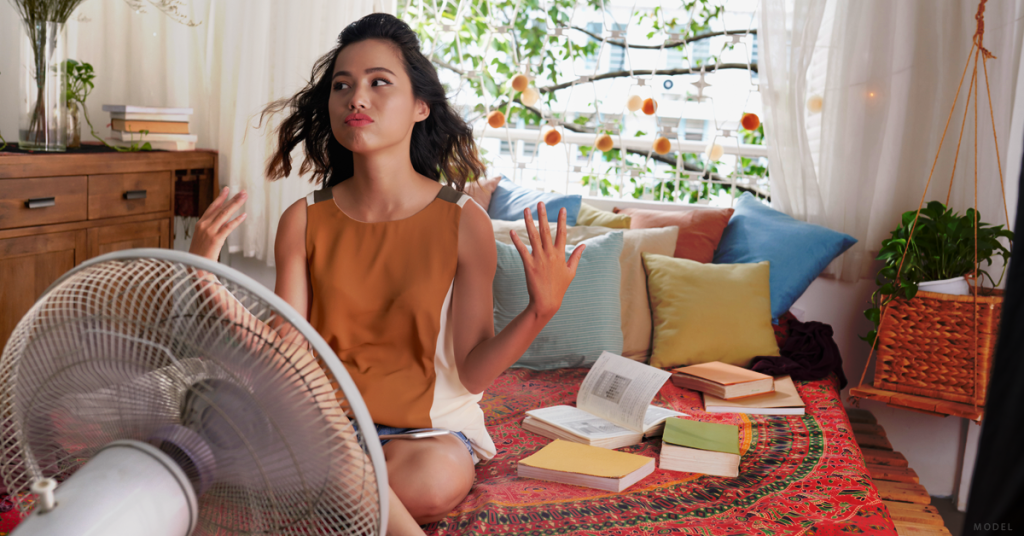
(431, 480)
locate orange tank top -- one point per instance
(382, 301)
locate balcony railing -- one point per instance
(568, 176)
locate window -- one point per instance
(694, 130)
(618, 54)
(701, 51)
(528, 146)
(594, 28)
(674, 58)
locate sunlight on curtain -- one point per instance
(243, 55)
(890, 76)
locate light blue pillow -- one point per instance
(796, 251)
(588, 321)
(509, 199)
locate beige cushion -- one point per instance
(480, 190)
(636, 309)
(595, 217)
(709, 312)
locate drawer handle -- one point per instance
(40, 202)
(135, 194)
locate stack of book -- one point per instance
(784, 401)
(723, 380)
(163, 128)
(701, 447)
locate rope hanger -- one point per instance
(977, 52)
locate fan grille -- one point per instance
(123, 349)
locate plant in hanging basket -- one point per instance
(942, 248)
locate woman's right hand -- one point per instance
(216, 224)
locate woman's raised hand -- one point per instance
(548, 273)
(216, 224)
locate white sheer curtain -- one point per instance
(787, 34)
(890, 73)
(242, 55)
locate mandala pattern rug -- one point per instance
(798, 474)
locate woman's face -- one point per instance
(372, 105)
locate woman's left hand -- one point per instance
(548, 273)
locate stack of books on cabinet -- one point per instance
(164, 129)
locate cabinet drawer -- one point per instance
(54, 200)
(123, 194)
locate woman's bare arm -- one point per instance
(480, 355)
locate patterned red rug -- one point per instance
(798, 475)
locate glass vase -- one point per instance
(43, 119)
(74, 126)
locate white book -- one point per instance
(140, 137)
(127, 108)
(613, 408)
(157, 145)
(129, 116)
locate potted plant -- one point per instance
(939, 256)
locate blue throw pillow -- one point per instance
(587, 323)
(796, 251)
(509, 200)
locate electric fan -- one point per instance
(165, 394)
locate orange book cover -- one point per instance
(154, 127)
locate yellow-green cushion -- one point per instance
(595, 217)
(708, 312)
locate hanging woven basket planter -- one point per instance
(934, 351)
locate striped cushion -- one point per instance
(588, 321)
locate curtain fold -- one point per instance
(888, 78)
(242, 55)
(787, 34)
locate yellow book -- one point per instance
(584, 465)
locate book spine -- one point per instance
(154, 127)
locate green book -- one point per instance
(702, 435)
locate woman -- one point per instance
(385, 260)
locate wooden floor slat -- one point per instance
(893, 474)
(867, 428)
(902, 492)
(872, 441)
(883, 457)
(923, 514)
(861, 415)
(915, 529)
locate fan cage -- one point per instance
(133, 344)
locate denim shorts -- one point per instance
(388, 430)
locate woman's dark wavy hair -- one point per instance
(442, 144)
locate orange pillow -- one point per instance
(700, 229)
(481, 189)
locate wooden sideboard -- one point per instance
(57, 210)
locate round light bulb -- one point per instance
(530, 96)
(814, 103)
(496, 119)
(520, 82)
(634, 103)
(714, 151)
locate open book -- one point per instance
(613, 408)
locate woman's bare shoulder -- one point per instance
(476, 237)
(291, 228)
